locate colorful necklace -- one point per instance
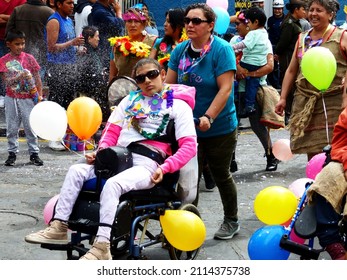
(186, 65)
(308, 43)
(135, 111)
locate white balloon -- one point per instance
(48, 120)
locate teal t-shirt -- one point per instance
(220, 59)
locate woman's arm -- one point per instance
(264, 70)
(288, 81)
(113, 71)
(52, 28)
(171, 77)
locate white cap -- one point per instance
(278, 4)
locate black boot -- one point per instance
(272, 162)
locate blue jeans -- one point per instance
(252, 85)
(327, 222)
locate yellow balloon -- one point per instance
(318, 66)
(84, 117)
(183, 229)
(275, 205)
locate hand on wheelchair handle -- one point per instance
(196, 121)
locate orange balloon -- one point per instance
(84, 117)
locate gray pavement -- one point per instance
(25, 189)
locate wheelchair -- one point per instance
(137, 210)
(304, 224)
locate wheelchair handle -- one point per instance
(196, 121)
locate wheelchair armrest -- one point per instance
(306, 224)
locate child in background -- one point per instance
(20, 73)
(255, 49)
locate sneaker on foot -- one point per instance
(99, 251)
(11, 160)
(227, 230)
(34, 158)
(56, 146)
(56, 233)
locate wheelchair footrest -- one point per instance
(306, 252)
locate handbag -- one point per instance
(267, 97)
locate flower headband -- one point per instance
(241, 17)
(132, 16)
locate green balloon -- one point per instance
(318, 66)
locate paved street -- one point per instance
(25, 189)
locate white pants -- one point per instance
(137, 177)
(188, 181)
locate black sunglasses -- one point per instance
(195, 21)
(140, 79)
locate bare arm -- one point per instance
(113, 71)
(288, 81)
(153, 53)
(38, 82)
(52, 28)
(171, 77)
(264, 70)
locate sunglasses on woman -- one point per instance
(195, 21)
(140, 79)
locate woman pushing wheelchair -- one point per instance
(139, 123)
(328, 194)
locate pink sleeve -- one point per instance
(186, 151)
(109, 135)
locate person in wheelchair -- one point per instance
(328, 194)
(137, 123)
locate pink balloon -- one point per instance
(49, 209)
(218, 3)
(281, 150)
(298, 186)
(315, 165)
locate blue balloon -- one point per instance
(222, 21)
(264, 244)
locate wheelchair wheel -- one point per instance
(176, 254)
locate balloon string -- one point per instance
(66, 147)
(326, 118)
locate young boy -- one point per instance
(20, 73)
(255, 48)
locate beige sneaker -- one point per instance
(99, 251)
(56, 233)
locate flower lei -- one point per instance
(135, 111)
(126, 47)
(164, 53)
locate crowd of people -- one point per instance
(103, 43)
